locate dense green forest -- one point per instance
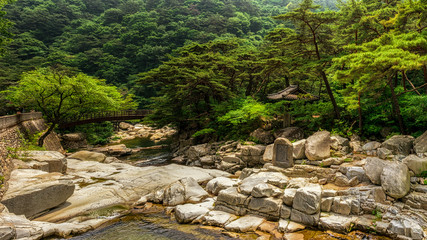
(208, 65)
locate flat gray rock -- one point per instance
(245, 224)
(218, 218)
(189, 212)
(336, 223)
(32, 191)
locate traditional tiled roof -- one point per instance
(293, 92)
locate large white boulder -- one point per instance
(318, 146)
(395, 180)
(415, 163)
(32, 191)
(399, 144)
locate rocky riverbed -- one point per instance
(281, 190)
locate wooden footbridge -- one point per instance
(113, 116)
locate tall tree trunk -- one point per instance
(42, 138)
(331, 95)
(396, 108)
(325, 79)
(403, 80)
(287, 81)
(360, 114)
(425, 76)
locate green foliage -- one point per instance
(28, 142)
(424, 174)
(61, 95)
(203, 132)
(96, 133)
(378, 214)
(237, 118)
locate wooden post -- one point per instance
(286, 120)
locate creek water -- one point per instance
(159, 226)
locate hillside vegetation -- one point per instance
(208, 65)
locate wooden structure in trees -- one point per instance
(105, 116)
(293, 92)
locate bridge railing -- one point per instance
(108, 114)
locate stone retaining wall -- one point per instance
(12, 129)
(7, 122)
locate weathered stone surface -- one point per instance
(73, 140)
(341, 205)
(283, 153)
(285, 212)
(245, 224)
(220, 183)
(115, 150)
(384, 153)
(326, 204)
(263, 136)
(289, 195)
(120, 184)
(269, 206)
(282, 225)
(318, 146)
(262, 190)
(358, 172)
(293, 227)
(125, 126)
(395, 180)
(252, 155)
(208, 160)
(197, 151)
(371, 146)
(268, 154)
(307, 199)
(231, 158)
(420, 143)
(306, 219)
(356, 146)
(399, 144)
(338, 142)
(290, 133)
(7, 232)
(232, 197)
(298, 182)
(189, 212)
(54, 161)
(247, 185)
(406, 227)
(415, 163)
(33, 191)
(218, 218)
(186, 190)
(299, 149)
(293, 236)
(88, 156)
(336, 223)
(373, 169)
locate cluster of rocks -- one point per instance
(129, 131)
(371, 177)
(126, 131)
(263, 197)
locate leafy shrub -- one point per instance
(96, 133)
(238, 117)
